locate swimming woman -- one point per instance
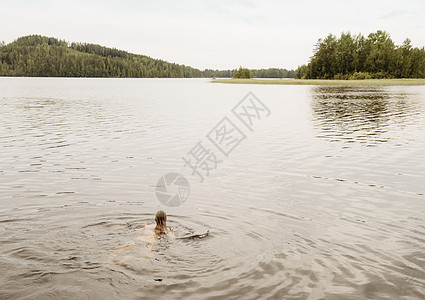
(161, 223)
(136, 251)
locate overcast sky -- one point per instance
(213, 34)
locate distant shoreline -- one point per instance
(365, 82)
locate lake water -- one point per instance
(323, 198)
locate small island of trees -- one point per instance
(357, 57)
(242, 73)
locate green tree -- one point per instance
(301, 72)
(358, 57)
(242, 73)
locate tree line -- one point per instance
(359, 57)
(273, 73)
(40, 56)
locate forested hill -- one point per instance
(44, 56)
(39, 56)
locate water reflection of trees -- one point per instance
(369, 115)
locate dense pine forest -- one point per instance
(346, 57)
(357, 57)
(39, 56)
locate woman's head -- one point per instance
(161, 218)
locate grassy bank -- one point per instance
(366, 82)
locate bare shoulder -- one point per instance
(150, 227)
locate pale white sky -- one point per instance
(214, 34)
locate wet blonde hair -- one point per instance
(161, 218)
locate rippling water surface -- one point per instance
(323, 199)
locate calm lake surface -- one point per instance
(324, 198)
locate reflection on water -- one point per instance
(366, 115)
(300, 210)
